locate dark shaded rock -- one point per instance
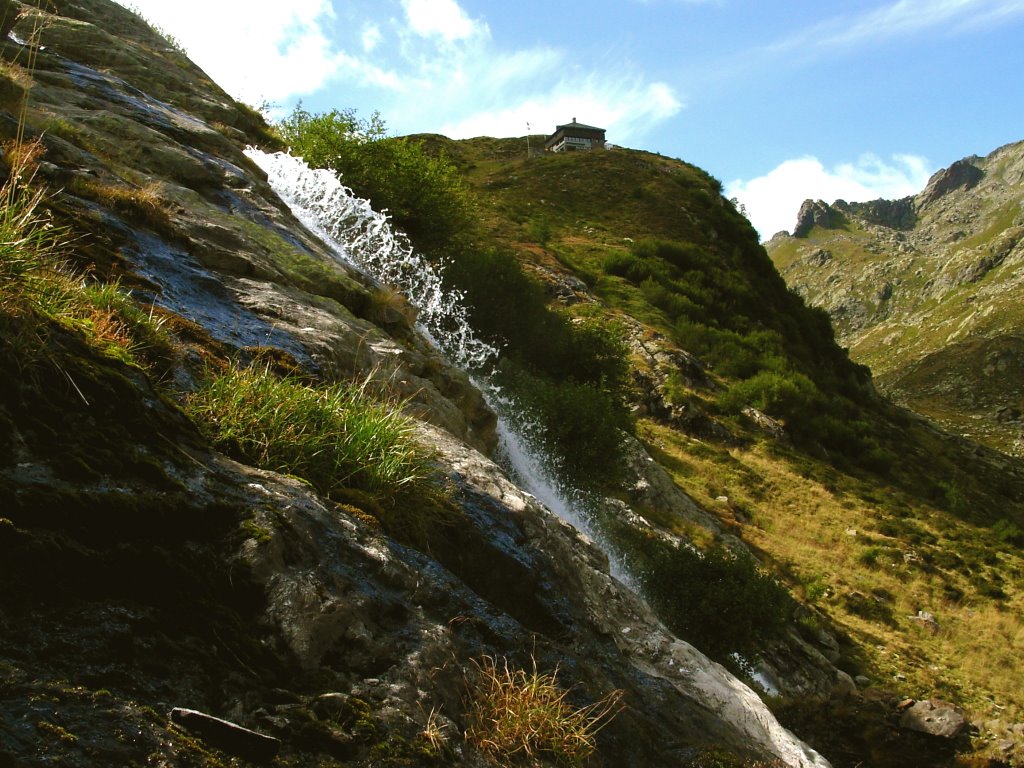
(844, 686)
(962, 174)
(8, 15)
(934, 717)
(1007, 414)
(895, 214)
(226, 735)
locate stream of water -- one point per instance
(363, 238)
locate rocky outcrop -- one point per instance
(894, 214)
(963, 174)
(815, 213)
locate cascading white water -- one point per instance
(363, 238)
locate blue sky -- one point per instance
(779, 100)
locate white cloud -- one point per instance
(371, 37)
(900, 19)
(252, 48)
(471, 87)
(430, 68)
(444, 18)
(625, 107)
(773, 200)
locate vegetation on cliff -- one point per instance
(855, 504)
(650, 239)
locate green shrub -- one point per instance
(510, 309)
(954, 498)
(1008, 532)
(870, 607)
(568, 374)
(539, 230)
(627, 265)
(580, 424)
(722, 602)
(869, 557)
(424, 194)
(816, 589)
(784, 395)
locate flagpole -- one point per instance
(527, 141)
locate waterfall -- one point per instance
(363, 238)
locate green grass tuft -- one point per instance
(335, 437)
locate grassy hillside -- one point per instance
(234, 476)
(872, 516)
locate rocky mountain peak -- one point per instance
(963, 174)
(912, 270)
(814, 213)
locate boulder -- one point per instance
(844, 686)
(894, 214)
(934, 717)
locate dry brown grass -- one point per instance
(142, 203)
(827, 537)
(515, 714)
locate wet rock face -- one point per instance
(217, 247)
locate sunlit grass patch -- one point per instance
(38, 286)
(144, 204)
(336, 436)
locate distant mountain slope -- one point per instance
(929, 291)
